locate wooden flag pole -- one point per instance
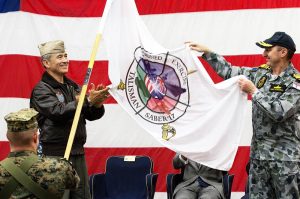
(86, 80)
(82, 96)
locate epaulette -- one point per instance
(296, 76)
(265, 66)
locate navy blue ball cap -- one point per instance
(278, 39)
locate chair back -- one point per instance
(126, 178)
(227, 185)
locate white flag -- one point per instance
(169, 93)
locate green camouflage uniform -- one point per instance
(54, 175)
(275, 146)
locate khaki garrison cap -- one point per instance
(22, 120)
(52, 47)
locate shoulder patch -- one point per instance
(296, 76)
(265, 66)
(261, 82)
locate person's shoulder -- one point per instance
(296, 76)
(3, 172)
(53, 164)
(264, 67)
(261, 68)
(55, 160)
(41, 88)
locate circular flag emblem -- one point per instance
(157, 86)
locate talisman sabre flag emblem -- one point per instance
(156, 87)
(160, 90)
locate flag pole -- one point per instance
(86, 81)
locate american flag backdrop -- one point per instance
(229, 27)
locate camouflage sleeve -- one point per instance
(278, 108)
(224, 68)
(72, 178)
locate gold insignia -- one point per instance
(121, 85)
(296, 76)
(166, 129)
(265, 66)
(191, 71)
(277, 88)
(265, 44)
(261, 82)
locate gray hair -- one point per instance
(45, 57)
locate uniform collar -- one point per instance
(21, 153)
(287, 72)
(47, 78)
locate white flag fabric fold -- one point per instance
(169, 93)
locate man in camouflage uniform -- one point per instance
(25, 175)
(275, 89)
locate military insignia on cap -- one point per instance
(261, 82)
(265, 66)
(264, 44)
(277, 88)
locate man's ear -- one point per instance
(45, 63)
(284, 52)
(35, 137)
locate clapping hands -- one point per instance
(97, 95)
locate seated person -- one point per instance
(199, 181)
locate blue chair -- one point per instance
(126, 177)
(174, 179)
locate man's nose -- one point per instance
(65, 60)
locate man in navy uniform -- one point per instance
(275, 89)
(55, 97)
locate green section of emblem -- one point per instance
(140, 83)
